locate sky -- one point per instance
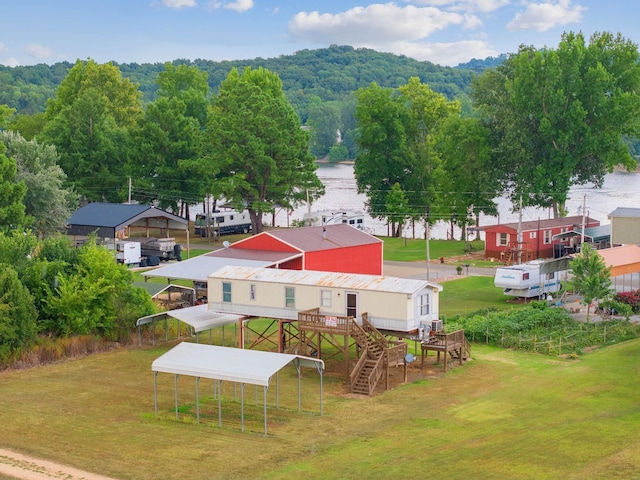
(445, 32)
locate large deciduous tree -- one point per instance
(256, 147)
(88, 121)
(166, 147)
(397, 133)
(47, 202)
(558, 116)
(12, 192)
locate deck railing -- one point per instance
(315, 321)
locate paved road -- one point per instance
(436, 271)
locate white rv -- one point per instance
(223, 222)
(526, 281)
(331, 217)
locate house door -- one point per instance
(352, 304)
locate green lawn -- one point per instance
(408, 250)
(470, 294)
(506, 414)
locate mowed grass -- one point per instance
(506, 414)
(413, 249)
(471, 294)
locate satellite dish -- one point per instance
(409, 357)
(226, 244)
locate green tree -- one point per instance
(591, 276)
(167, 145)
(47, 203)
(558, 116)
(18, 316)
(470, 185)
(89, 122)
(12, 192)
(97, 298)
(397, 209)
(384, 156)
(256, 147)
(324, 123)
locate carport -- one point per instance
(241, 366)
(199, 318)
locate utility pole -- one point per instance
(427, 234)
(519, 240)
(584, 213)
(129, 190)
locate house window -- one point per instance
(503, 239)
(424, 304)
(252, 291)
(289, 297)
(325, 298)
(226, 292)
(532, 234)
(547, 237)
(525, 276)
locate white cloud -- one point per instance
(449, 54)
(544, 16)
(38, 51)
(179, 3)
(10, 62)
(239, 6)
(379, 23)
(465, 5)
(394, 29)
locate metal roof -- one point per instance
(595, 234)
(312, 239)
(201, 319)
(199, 268)
(535, 225)
(111, 217)
(253, 367)
(327, 279)
(625, 212)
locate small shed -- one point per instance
(392, 304)
(625, 226)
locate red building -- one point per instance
(501, 241)
(330, 248)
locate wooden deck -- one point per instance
(452, 344)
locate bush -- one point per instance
(631, 298)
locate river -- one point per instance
(620, 189)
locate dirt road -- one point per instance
(24, 467)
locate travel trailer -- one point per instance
(222, 223)
(526, 281)
(329, 217)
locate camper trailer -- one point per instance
(222, 223)
(331, 217)
(526, 281)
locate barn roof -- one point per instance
(327, 279)
(198, 269)
(312, 239)
(108, 218)
(535, 225)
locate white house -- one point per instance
(392, 304)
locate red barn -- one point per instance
(332, 248)
(501, 241)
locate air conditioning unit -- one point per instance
(436, 325)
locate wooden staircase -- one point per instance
(376, 355)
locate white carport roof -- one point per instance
(253, 367)
(199, 268)
(200, 318)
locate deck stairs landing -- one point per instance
(376, 355)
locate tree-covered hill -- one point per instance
(329, 74)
